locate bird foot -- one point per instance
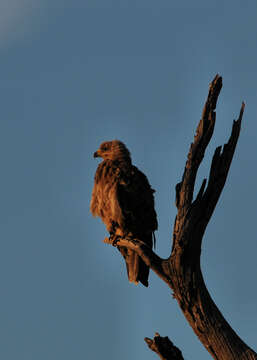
(114, 239)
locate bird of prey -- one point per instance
(123, 198)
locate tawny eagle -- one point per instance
(123, 198)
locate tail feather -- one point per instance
(143, 273)
(137, 270)
(132, 263)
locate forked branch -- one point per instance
(204, 131)
(163, 347)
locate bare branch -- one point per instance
(220, 167)
(189, 288)
(163, 347)
(203, 135)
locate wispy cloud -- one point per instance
(16, 17)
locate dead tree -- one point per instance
(182, 271)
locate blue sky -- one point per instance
(76, 73)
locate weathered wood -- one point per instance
(182, 271)
(164, 348)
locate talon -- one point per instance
(111, 237)
(115, 240)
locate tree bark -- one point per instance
(163, 347)
(182, 271)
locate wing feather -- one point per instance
(123, 198)
(136, 200)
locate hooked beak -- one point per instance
(96, 154)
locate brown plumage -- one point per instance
(123, 198)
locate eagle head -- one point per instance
(113, 150)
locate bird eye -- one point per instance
(104, 148)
